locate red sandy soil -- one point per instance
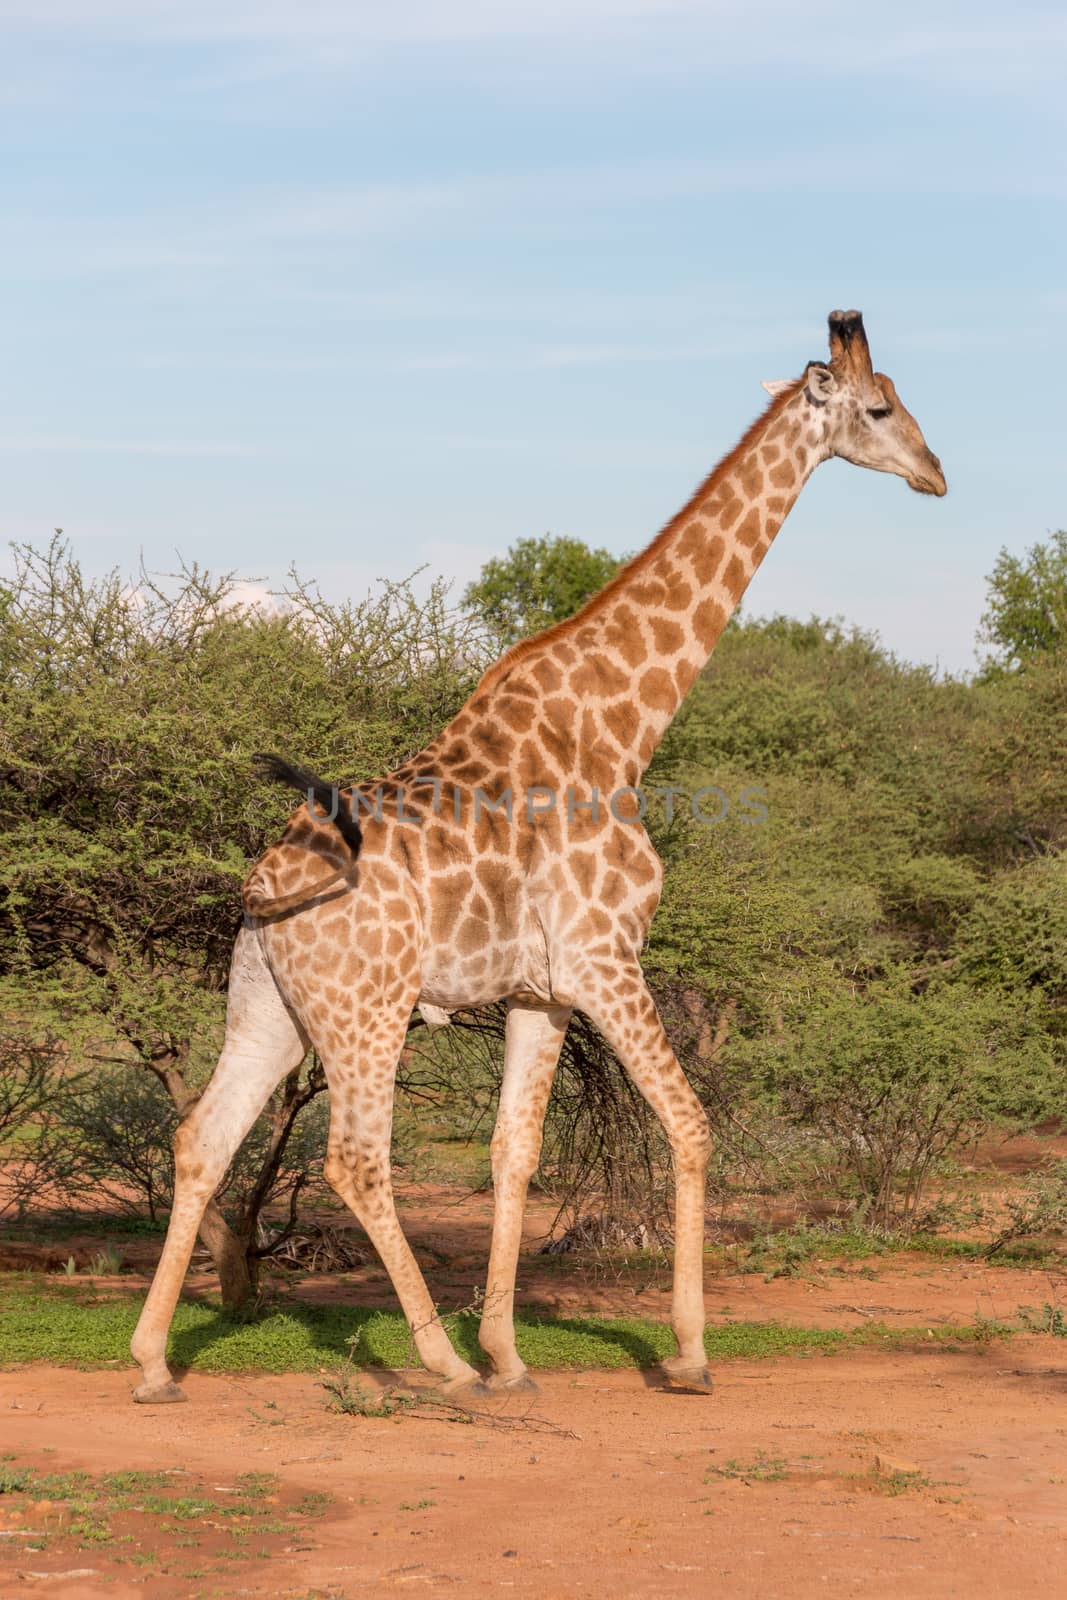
(605, 1484)
(647, 1492)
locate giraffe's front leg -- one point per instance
(534, 1039)
(630, 1023)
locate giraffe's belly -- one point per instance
(498, 969)
(444, 992)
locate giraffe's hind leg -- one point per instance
(262, 1044)
(361, 1077)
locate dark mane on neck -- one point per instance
(633, 569)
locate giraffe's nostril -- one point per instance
(940, 487)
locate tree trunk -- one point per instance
(233, 1251)
(231, 1256)
(237, 1267)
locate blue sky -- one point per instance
(366, 287)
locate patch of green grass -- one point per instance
(899, 1482)
(125, 1483)
(782, 1254)
(785, 1253)
(763, 1469)
(63, 1327)
(90, 1531)
(1017, 1252)
(311, 1504)
(255, 1485)
(87, 1505)
(185, 1507)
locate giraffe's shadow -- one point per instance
(302, 1336)
(291, 1336)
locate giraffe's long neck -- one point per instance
(619, 669)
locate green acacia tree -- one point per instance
(1026, 609)
(129, 811)
(538, 582)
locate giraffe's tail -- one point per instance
(341, 813)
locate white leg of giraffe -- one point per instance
(632, 1027)
(262, 1044)
(361, 1080)
(534, 1039)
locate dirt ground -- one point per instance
(910, 1473)
(603, 1484)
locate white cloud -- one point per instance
(245, 597)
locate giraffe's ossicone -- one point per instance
(507, 861)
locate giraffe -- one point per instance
(507, 862)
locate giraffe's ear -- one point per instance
(777, 385)
(820, 383)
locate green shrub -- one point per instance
(895, 1079)
(1015, 936)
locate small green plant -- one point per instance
(763, 1469)
(90, 1531)
(1041, 1208)
(1050, 1319)
(107, 1263)
(126, 1483)
(256, 1485)
(898, 1481)
(185, 1508)
(352, 1397)
(312, 1504)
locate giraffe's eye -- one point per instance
(878, 412)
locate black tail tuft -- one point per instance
(341, 813)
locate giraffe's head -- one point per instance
(864, 419)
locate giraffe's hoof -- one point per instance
(465, 1390)
(158, 1394)
(523, 1384)
(681, 1376)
